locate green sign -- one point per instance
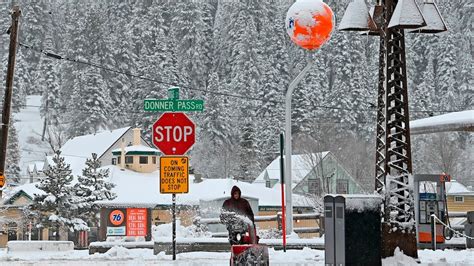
(173, 93)
(173, 105)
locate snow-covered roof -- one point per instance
(433, 18)
(30, 189)
(35, 165)
(136, 148)
(448, 122)
(301, 166)
(456, 188)
(356, 16)
(97, 143)
(142, 189)
(406, 13)
(76, 163)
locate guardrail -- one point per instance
(272, 218)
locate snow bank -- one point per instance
(39, 246)
(165, 230)
(399, 259)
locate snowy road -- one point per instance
(122, 256)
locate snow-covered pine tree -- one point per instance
(21, 82)
(90, 103)
(191, 33)
(13, 156)
(47, 78)
(91, 187)
(121, 45)
(56, 208)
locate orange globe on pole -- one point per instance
(309, 23)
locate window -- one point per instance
(154, 159)
(268, 183)
(314, 186)
(114, 161)
(342, 186)
(128, 159)
(143, 159)
(118, 160)
(458, 199)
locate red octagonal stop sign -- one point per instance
(173, 133)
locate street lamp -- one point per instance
(309, 23)
(393, 149)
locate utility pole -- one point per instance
(15, 13)
(388, 20)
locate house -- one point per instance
(312, 174)
(34, 171)
(77, 150)
(459, 197)
(15, 219)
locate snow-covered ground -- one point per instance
(29, 125)
(122, 256)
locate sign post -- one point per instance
(174, 178)
(173, 134)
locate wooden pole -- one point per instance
(8, 92)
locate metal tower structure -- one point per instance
(389, 19)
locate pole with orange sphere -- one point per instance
(309, 23)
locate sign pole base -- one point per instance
(174, 226)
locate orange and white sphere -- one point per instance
(309, 23)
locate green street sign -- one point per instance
(173, 93)
(173, 105)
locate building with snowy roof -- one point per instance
(458, 197)
(34, 170)
(455, 121)
(312, 174)
(107, 145)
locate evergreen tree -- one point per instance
(56, 208)
(92, 186)
(13, 156)
(90, 103)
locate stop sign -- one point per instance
(173, 133)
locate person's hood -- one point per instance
(234, 189)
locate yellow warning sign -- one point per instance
(2, 180)
(174, 174)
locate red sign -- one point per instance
(173, 133)
(136, 222)
(116, 217)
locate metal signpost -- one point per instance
(174, 134)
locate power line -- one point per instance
(89, 63)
